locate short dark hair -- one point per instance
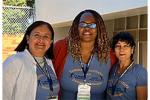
(123, 37)
(23, 44)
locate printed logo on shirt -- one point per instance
(93, 77)
(119, 90)
(42, 81)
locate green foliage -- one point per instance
(30, 3)
(15, 2)
(19, 2)
(15, 19)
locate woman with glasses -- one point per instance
(127, 80)
(82, 60)
(29, 74)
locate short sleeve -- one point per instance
(141, 76)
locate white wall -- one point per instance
(57, 11)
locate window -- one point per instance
(137, 26)
(119, 24)
(132, 22)
(143, 53)
(143, 21)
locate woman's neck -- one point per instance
(87, 46)
(123, 65)
(40, 61)
(86, 51)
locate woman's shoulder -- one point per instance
(139, 71)
(139, 67)
(141, 74)
(113, 57)
(17, 58)
(61, 42)
(14, 57)
(60, 47)
(13, 62)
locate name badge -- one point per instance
(83, 92)
(53, 98)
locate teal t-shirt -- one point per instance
(125, 88)
(44, 91)
(73, 75)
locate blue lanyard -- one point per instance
(46, 73)
(115, 83)
(85, 70)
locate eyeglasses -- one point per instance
(38, 37)
(87, 25)
(118, 47)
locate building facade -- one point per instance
(118, 16)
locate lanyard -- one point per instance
(85, 70)
(46, 73)
(115, 83)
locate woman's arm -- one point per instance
(141, 92)
(11, 69)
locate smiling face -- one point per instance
(39, 41)
(123, 51)
(87, 27)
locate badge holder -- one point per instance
(83, 92)
(53, 98)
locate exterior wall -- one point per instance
(109, 27)
(48, 11)
(60, 32)
(136, 25)
(57, 11)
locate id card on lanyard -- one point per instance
(84, 89)
(83, 92)
(53, 98)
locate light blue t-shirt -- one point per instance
(126, 87)
(72, 76)
(43, 87)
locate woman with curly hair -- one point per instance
(82, 60)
